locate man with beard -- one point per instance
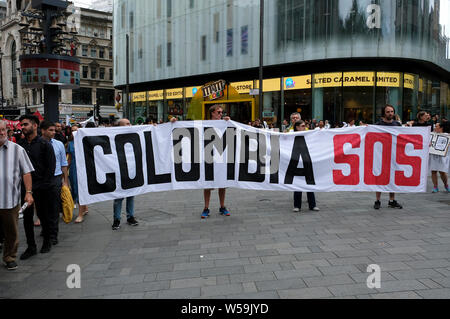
(59, 135)
(61, 176)
(388, 120)
(43, 159)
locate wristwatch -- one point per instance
(31, 192)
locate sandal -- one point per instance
(79, 219)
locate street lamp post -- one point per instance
(1, 76)
(261, 57)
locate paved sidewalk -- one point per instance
(264, 250)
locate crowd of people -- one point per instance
(37, 160)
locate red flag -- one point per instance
(39, 116)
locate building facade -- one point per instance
(96, 68)
(329, 59)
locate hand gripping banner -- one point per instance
(128, 161)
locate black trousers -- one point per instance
(57, 207)
(44, 203)
(2, 235)
(298, 200)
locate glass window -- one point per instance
(169, 54)
(191, 4)
(169, 8)
(110, 74)
(82, 96)
(159, 56)
(244, 40)
(203, 48)
(85, 71)
(105, 96)
(102, 73)
(93, 73)
(101, 53)
(93, 52)
(230, 42)
(84, 50)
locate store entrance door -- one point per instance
(238, 111)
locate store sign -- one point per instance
(270, 85)
(243, 87)
(297, 82)
(139, 97)
(409, 81)
(359, 79)
(214, 90)
(174, 94)
(191, 91)
(388, 79)
(156, 95)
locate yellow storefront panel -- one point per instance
(420, 85)
(359, 79)
(388, 79)
(270, 85)
(297, 82)
(139, 97)
(174, 94)
(409, 81)
(156, 95)
(191, 91)
(324, 80)
(243, 87)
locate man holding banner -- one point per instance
(388, 120)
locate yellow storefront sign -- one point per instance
(191, 91)
(270, 85)
(156, 95)
(359, 79)
(243, 87)
(388, 79)
(324, 80)
(409, 81)
(138, 97)
(297, 82)
(174, 94)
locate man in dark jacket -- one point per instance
(43, 159)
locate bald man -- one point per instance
(130, 200)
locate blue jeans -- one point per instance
(298, 200)
(118, 207)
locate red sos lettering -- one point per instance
(385, 139)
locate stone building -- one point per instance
(96, 67)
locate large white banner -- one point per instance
(127, 161)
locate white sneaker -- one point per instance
(21, 216)
(316, 209)
(296, 210)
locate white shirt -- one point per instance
(14, 163)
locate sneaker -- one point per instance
(296, 210)
(132, 221)
(20, 215)
(205, 213)
(316, 209)
(435, 190)
(29, 252)
(224, 212)
(46, 247)
(377, 205)
(116, 224)
(447, 189)
(12, 265)
(395, 204)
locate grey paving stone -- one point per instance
(305, 293)
(326, 281)
(397, 295)
(291, 283)
(298, 273)
(181, 274)
(221, 290)
(193, 282)
(349, 289)
(252, 277)
(401, 285)
(183, 293)
(443, 293)
(415, 274)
